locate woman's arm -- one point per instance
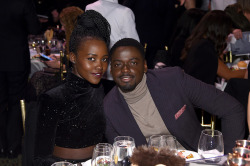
(224, 72)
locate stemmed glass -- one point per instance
(163, 141)
(62, 163)
(211, 143)
(123, 148)
(102, 155)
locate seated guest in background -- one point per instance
(239, 12)
(161, 59)
(221, 4)
(185, 25)
(68, 18)
(147, 102)
(204, 47)
(70, 118)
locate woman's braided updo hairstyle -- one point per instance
(90, 25)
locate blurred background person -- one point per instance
(204, 49)
(68, 19)
(185, 25)
(161, 59)
(154, 24)
(221, 4)
(239, 12)
(19, 19)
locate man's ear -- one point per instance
(145, 66)
(72, 57)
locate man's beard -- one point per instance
(127, 88)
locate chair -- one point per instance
(62, 60)
(23, 111)
(145, 47)
(29, 114)
(211, 125)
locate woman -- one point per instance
(203, 49)
(71, 120)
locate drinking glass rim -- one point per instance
(216, 132)
(102, 147)
(103, 144)
(162, 136)
(62, 162)
(128, 138)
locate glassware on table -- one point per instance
(163, 141)
(62, 163)
(102, 155)
(241, 152)
(123, 148)
(239, 162)
(243, 143)
(211, 144)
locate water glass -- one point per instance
(123, 148)
(163, 141)
(102, 155)
(62, 163)
(211, 143)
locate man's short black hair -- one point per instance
(128, 42)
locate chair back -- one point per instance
(23, 111)
(31, 119)
(210, 125)
(145, 47)
(62, 69)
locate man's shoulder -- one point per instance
(165, 73)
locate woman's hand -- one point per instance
(54, 63)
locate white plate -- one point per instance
(87, 163)
(188, 152)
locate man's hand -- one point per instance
(237, 33)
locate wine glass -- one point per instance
(211, 144)
(102, 155)
(62, 163)
(163, 141)
(123, 149)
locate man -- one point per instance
(18, 20)
(147, 102)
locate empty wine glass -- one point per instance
(62, 163)
(123, 148)
(211, 143)
(163, 141)
(102, 155)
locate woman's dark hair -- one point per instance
(128, 42)
(187, 22)
(216, 25)
(90, 25)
